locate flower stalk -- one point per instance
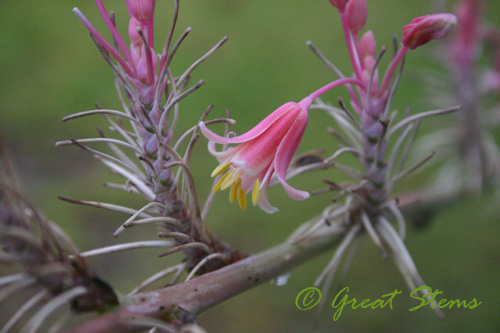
(199, 294)
(146, 80)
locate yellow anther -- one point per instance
(231, 178)
(256, 192)
(220, 168)
(234, 190)
(225, 178)
(217, 187)
(242, 198)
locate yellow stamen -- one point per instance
(256, 192)
(231, 178)
(242, 198)
(220, 169)
(217, 187)
(225, 178)
(234, 190)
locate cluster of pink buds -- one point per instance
(141, 37)
(362, 51)
(140, 61)
(143, 75)
(268, 148)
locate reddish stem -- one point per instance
(334, 84)
(351, 47)
(392, 67)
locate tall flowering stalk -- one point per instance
(476, 154)
(150, 96)
(148, 159)
(368, 130)
(268, 148)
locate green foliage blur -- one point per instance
(50, 68)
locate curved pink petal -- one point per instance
(267, 177)
(221, 156)
(264, 203)
(284, 155)
(259, 152)
(254, 132)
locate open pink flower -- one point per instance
(266, 149)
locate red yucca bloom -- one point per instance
(266, 149)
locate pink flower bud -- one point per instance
(140, 58)
(339, 4)
(369, 63)
(357, 12)
(367, 45)
(426, 28)
(134, 35)
(142, 10)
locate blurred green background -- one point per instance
(49, 68)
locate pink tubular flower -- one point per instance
(423, 29)
(266, 149)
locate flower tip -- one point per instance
(339, 4)
(78, 13)
(423, 29)
(357, 13)
(272, 211)
(367, 45)
(205, 131)
(295, 194)
(142, 10)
